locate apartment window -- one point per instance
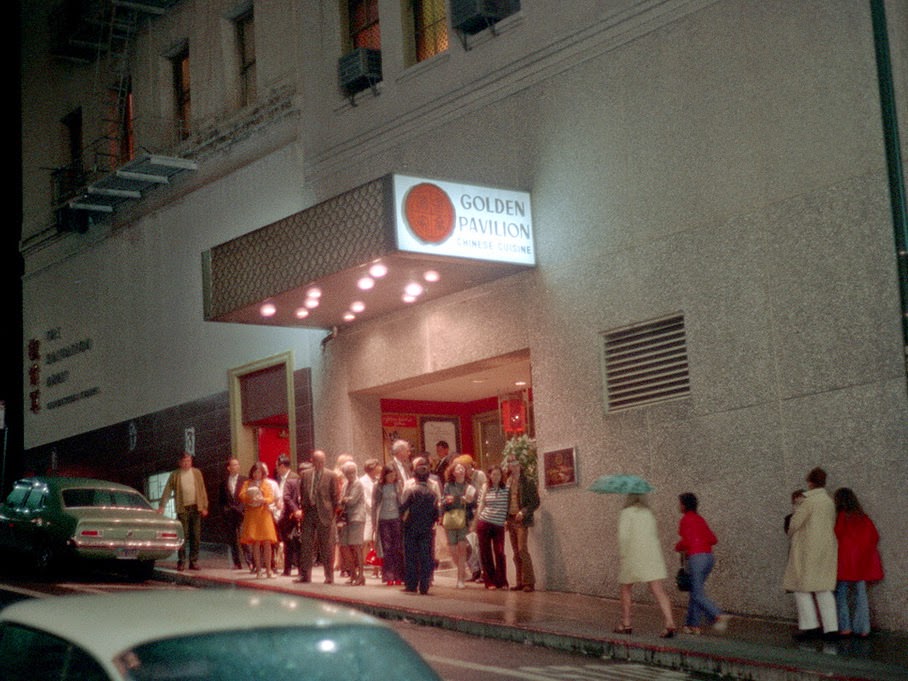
(121, 131)
(430, 28)
(245, 33)
(181, 92)
(646, 363)
(72, 133)
(362, 19)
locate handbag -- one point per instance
(372, 558)
(455, 519)
(682, 579)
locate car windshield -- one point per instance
(349, 653)
(98, 496)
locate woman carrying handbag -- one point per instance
(696, 549)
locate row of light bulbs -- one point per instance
(411, 293)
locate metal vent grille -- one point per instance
(646, 363)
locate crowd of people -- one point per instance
(386, 519)
(391, 514)
(833, 556)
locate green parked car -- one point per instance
(53, 521)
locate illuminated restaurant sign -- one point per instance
(466, 221)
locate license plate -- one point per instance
(127, 554)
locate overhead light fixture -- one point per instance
(301, 313)
(349, 317)
(311, 303)
(357, 306)
(408, 298)
(378, 270)
(314, 292)
(413, 289)
(365, 283)
(268, 310)
(431, 276)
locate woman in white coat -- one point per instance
(813, 559)
(641, 561)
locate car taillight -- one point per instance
(91, 533)
(167, 535)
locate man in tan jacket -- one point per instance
(188, 489)
(813, 560)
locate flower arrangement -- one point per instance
(523, 448)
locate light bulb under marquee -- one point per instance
(431, 276)
(413, 289)
(349, 317)
(357, 306)
(302, 313)
(365, 283)
(314, 292)
(268, 310)
(408, 298)
(311, 303)
(378, 270)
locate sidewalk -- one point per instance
(752, 648)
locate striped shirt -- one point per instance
(495, 506)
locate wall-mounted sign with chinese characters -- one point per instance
(50, 361)
(466, 221)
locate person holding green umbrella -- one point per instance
(641, 560)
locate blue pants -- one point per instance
(860, 625)
(700, 608)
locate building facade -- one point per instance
(713, 299)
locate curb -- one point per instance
(732, 660)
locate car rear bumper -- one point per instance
(138, 550)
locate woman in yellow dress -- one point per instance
(258, 524)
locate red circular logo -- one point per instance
(429, 213)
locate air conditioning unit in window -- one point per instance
(359, 70)
(472, 16)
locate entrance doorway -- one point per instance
(462, 399)
(262, 411)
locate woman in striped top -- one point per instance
(490, 530)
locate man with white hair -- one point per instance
(400, 458)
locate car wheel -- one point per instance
(46, 559)
(142, 570)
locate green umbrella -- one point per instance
(620, 484)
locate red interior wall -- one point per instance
(464, 411)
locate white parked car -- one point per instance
(191, 635)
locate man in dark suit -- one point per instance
(232, 508)
(319, 502)
(285, 522)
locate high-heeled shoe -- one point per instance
(359, 581)
(668, 632)
(621, 629)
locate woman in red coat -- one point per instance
(859, 562)
(696, 546)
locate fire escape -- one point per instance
(108, 172)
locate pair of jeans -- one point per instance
(860, 624)
(700, 609)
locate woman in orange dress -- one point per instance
(258, 524)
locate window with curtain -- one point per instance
(430, 28)
(362, 18)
